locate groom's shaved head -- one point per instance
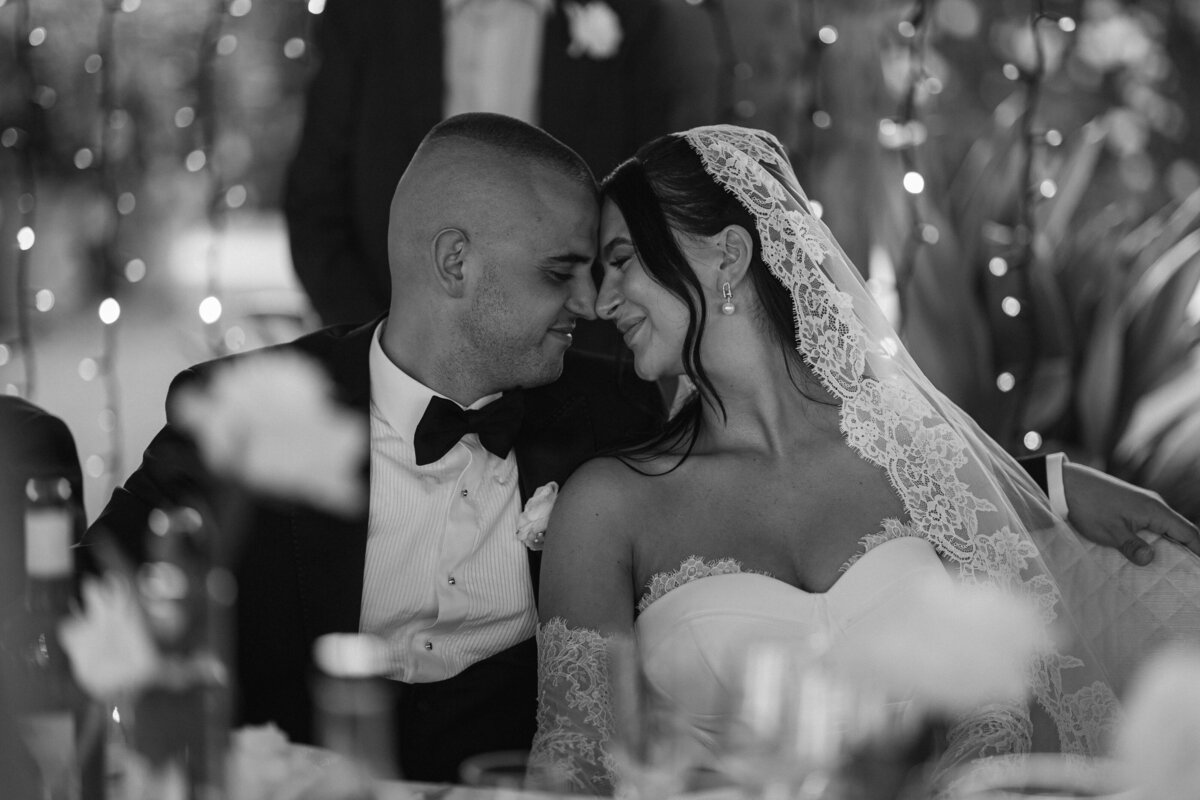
(512, 138)
(473, 171)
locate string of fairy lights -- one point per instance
(103, 158)
(1010, 266)
(1030, 193)
(18, 139)
(904, 134)
(110, 262)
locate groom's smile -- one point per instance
(566, 332)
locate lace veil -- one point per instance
(965, 494)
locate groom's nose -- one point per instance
(582, 302)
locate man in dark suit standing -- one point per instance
(492, 239)
(587, 72)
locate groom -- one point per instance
(492, 236)
(491, 242)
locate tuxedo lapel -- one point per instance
(330, 552)
(556, 437)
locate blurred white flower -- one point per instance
(1111, 39)
(269, 421)
(595, 30)
(109, 643)
(531, 525)
(1159, 739)
(263, 765)
(952, 649)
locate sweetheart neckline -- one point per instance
(823, 594)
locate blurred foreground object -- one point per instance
(57, 722)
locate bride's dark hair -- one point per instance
(664, 187)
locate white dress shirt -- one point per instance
(446, 582)
(492, 56)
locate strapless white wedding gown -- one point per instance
(691, 637)
(694, 623)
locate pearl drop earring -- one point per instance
(727, 308)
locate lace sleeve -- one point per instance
(997, 729)
(574, 718)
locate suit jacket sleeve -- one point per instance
(1036, 467)
(327, 253)
(171, 473)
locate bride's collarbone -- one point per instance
(798, 527)
(797, 544)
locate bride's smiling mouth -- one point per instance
(629, 330)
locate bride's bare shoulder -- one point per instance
(606, 490)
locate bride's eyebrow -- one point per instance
(613, 244)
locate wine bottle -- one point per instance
(59, 725)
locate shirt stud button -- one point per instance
(429, 645)
(451, 581)
(464, 492)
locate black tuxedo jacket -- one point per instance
(300, 571)
(378, 91)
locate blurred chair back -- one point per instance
(1128, 612)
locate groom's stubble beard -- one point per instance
(503, 347)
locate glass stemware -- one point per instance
(652, 746)
(791, 721)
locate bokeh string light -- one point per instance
(1032, 190)
(215, 44)
(904, 134)
(18, 140)
(103, 157)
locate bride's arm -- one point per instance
(586, 596)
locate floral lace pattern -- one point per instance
(889, 418)
(996, 730)
(692, 568)
(891, 529)
(574, 717)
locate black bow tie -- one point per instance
(444, 423)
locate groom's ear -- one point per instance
(737, 251)
(449, 253)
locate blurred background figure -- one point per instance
(592, 74)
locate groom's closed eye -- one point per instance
(565, 268)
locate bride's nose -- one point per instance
(609, 298)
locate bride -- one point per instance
(814, 479)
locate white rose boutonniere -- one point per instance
(595, 30)
(531, 525)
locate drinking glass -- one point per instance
(652, 745)
(791, 721)
(506, 771)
